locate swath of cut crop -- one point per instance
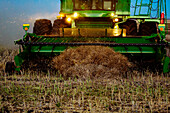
(91, 61)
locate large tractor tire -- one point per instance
(59, 23)
(148, 28)
(42, 27)
(130, 26)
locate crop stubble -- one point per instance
(32, 92)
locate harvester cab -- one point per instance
(136, 28)
(95, 14)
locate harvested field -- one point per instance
(5, 56)
(52, 92)
(91, 61)
(36, 64)
(138, 92)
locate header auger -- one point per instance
(105, 23)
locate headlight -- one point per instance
(69, 19)
(112, 14)
(116, 27)
(75, 15)
(62, 15)
(116, 20)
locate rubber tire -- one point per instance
(10, 68)
(59, 23)
(147, 28)
(42, 27)
(130, 26)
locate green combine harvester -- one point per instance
(135, 28)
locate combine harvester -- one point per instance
(101, 23)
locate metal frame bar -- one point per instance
(95, 44)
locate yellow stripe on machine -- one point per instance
(26, 24)
(161, 25)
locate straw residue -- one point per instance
(5, 56)
(91, 61)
